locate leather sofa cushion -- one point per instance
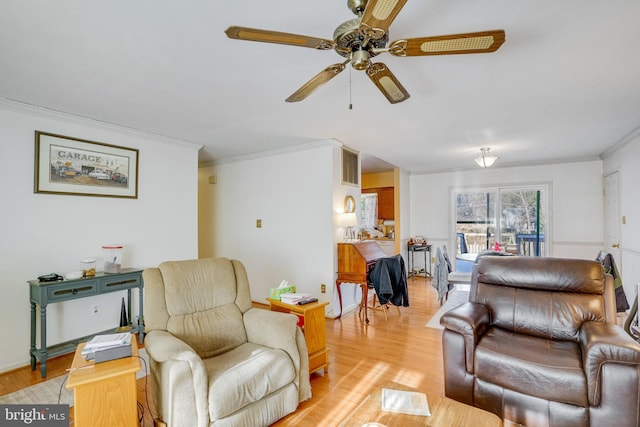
(534, 366)
(245, 375)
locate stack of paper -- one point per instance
(293, 298)
(103, 342)
(405, 402)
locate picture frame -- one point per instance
(79, 167)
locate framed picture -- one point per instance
(73, 166)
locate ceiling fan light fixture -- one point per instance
(485, 160)
(360, 59)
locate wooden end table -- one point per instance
(313, 327)
(445, 412)
(105, 394)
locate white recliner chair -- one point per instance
(215, 360)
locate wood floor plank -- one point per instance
(361, 357)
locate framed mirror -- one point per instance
(349, 204)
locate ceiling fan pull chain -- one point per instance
(350, 105)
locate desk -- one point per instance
(355, 261)
(44, 293)
(104, 394)
(411, 249)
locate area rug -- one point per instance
(457, 297)
(53, 391)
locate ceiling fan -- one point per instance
(364, 37)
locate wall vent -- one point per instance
(350, 169)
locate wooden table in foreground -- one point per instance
(445, 412)
(104, 394)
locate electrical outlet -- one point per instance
(258, 223)
(95, 309)
(323, 288)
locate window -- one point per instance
(369, 210)
(350, 168)
(513, 217)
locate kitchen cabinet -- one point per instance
(385, 203)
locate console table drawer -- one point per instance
(112, 284)
(71, 291)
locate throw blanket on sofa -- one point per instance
(440, 279)
(609, 264)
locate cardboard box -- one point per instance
(274, 293)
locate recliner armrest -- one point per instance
(602, 343)
(469, 320)
(280, 330)
(176, 359)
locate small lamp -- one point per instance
(348, 220)
(485, 159)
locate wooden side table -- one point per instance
(313, 327)
(104, 394)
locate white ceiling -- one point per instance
(565, 85)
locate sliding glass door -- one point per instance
(511, 219)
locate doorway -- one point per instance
(511, 219)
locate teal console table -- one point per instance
(45, 293)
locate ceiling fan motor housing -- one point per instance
(349, 39)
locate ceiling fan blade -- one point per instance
(388, 84)
(378, 16)
(480, 42)
(318, 80)
(267, 36)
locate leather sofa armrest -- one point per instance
(469, 320)
(604, 343)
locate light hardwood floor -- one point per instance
(361, 357)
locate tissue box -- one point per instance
(274, 293)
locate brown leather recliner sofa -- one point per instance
(537, 345)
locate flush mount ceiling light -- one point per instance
(485, 159)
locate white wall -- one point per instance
(44, 233)
(626, 160)
(576, 202)
(292, 192)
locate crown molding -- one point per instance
(48, 113)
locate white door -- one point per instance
(612, 217)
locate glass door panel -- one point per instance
(514, 218)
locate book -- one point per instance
(100, 342)
(405, 402)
